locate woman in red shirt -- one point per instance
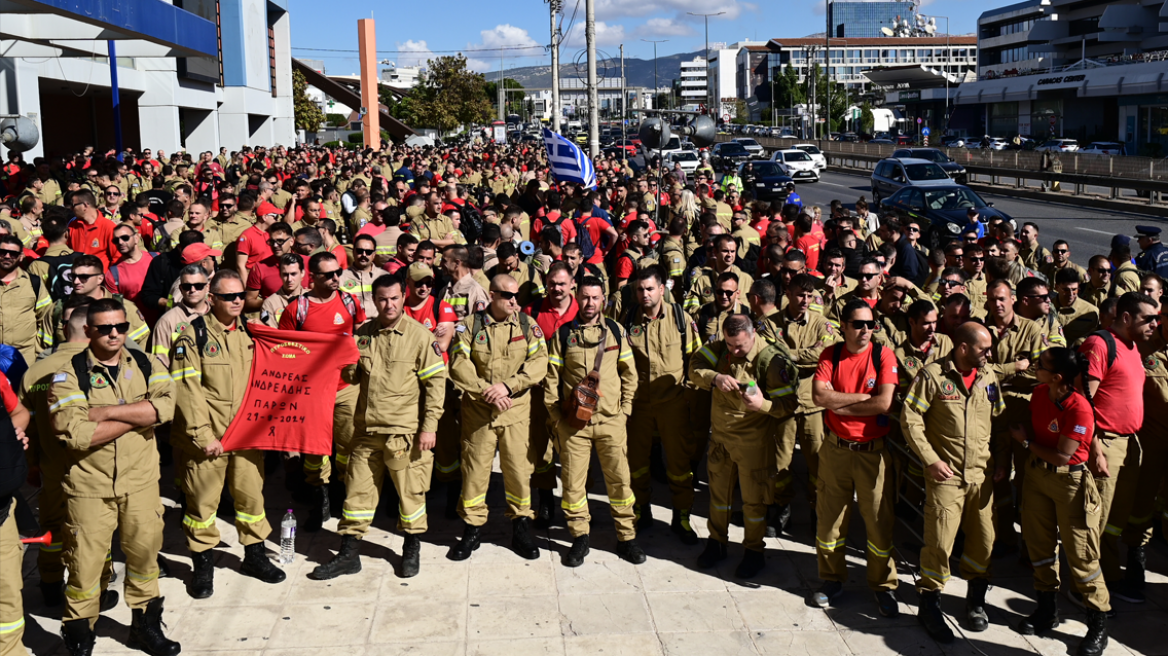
(1059, 496)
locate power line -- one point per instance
(422, 52)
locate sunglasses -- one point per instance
(949, 283)
(1105, 272)
(914, 229)
(188, 286)
(364, 251)
(860, 324)
(977, 259)
(4, 252)
(725, 292)
(1062, 251)
(112, 194)
(123, 238)
(227, 206)
(83, 277)
(277, 242)
(335, 273)
(507, 296)
(231, 297)
(424, 282)
(106, 329)
(868, 276)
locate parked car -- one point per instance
(953, 169)
(628, 145)
(770, 182)
(882, 142)
(903, 140)
(1059, 146)
(753, 147)
(850, 137)
(815, 153)
(728, 153)
(942, 209)
(687, 158)
(1104, 148)
(951, 141)
(892, 174)
(797, 164)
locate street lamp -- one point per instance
(709, 102)
(655, 67)
(948, 65)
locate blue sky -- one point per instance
(409, 32)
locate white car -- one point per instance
(1104, 148)
(687, 158)
(1059, 146)
(753, 147)
(815, 153)
(797, 164)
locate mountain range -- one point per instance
(638, 72)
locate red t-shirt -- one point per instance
(265, 277)
(1072, 418)
(1119, 401)
(130, 277)
(342, 257)
(567, 228)
(371, 229)
(7, 394)
(549, 320)
(857, 375)
(809, 244)
(425, 316)
(96, 239)
(328, 317)
(595, 227)
(965, 378)
(254, 244)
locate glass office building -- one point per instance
(864, 19)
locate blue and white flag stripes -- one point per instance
(568, 162)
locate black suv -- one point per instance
(955, 170)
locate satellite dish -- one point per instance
(930, 29)
(654, 132)
(19, 134)
(887, 31)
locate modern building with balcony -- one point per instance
(1088, 70)
(693, 85)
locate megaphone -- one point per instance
(701, 130)
(654, 132)
(19, 133)
(47, 538)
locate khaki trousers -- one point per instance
(669, 422)
(1065, 504)
(516, 458)
(867, 476)
(1117, 497)
(318, 469)
(1008, 492)
(89, 531)
(202, 483)
(544, 476)
(743, 463)
(51, 516)
(967, 507)
(409, 469)
(11, 583)
(807, 429)
(575, 449)
(1153, 467)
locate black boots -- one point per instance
(930, 616)
(574, 557)
(681, 527)
(1043, 619)
(469, 542)
(347, 561)
(777, 517)
(146, 631)
(1095, 641)
(752, 563)
(318, 510)
(453, 497)
(644, 517)
(715, 551)
(202, 584)
(79, 638)
(631, 551)
(976, 618)
(521, 542)
(257, 565)
(52, 593)
(411, 556)
(1131, 588)
(545, 511)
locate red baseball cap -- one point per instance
(197, 252)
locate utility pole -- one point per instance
(593, 99)
(655, 67)
(502, 97)
(624, 96)
(555, 6)
(709, 102)
(827, 73)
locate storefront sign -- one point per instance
(913, 95)
(1061, 79)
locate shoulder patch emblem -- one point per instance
(636, 331)
(537, 332)
(992, 393)
(211, 350)
(338, 319)
(1053, 427)
(948, 387)
(911, 363)
(427, 323)
(480, 306)
(180, 353)
(96, 244)
(363, 342)
(98, 381)
(572, 340)
(481, 337)
(460, 328)
(1150, 362)
(60, 377)
(437, 349)
(348, 284)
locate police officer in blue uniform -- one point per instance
(1154, 255)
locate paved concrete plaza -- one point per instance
(496, 603)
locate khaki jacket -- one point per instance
(729, 418)
(44, 451)
(661, 351)
(25, 312)
(701, 286)
(402, 378)
(806, 338)
(571, 362)
(498, 353)
(210, 382)
(1023, 339)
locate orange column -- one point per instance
(367, 43)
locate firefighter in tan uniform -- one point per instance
(25, 304)
(210, 364)
(946, 422)
(663, 338)
(400, 367)
(593, 353)
(192, 289)
(753, 384)
(104, 407)
(806, 333)
(358, 279)
(498, 356)
(703, 281)
(13, 425)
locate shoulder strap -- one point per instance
(81, 370)
(525, 325)
(477, 325)
(836, 352)
(114, 272)
(351, 306)
(143, 361)
(199, 325)
(1108, 339)
(614, 328)
(35, 281)
(877, 353)
(301, 311)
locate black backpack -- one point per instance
(1109, 340)
(472, 222)
(679, 319)
(80, 364)
(60, 274)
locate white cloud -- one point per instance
(502, 36)
(609, 9)
(606, 35)
(414, 53)
(506, 35)
(658, 27)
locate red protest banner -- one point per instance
(291, 392)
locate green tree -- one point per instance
(514, 101)
(867, 119)
(447, 95)
(788, 90)
(741, 113)
(308, 116)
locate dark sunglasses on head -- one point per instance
(188, 286)
(508, 296)
(328, 274)
(106, 329)
(229, 297)
(82, 277)
(860, 324)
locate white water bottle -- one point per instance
(288, 538)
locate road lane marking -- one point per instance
(1102, 232)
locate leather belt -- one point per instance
(858, 447)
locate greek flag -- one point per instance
(569, 163)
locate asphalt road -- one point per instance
(1087, 230)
